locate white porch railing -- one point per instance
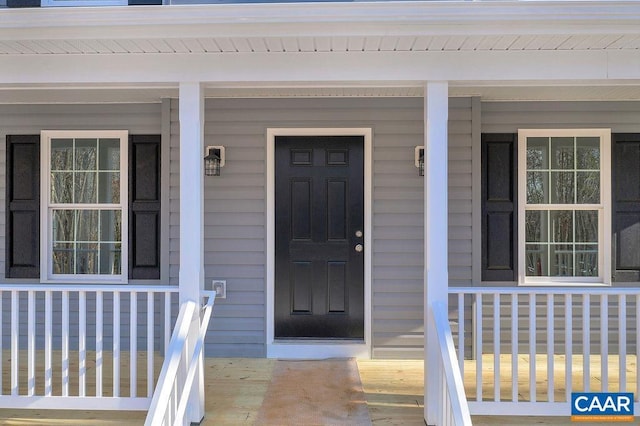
(452, 402)
(67, 345)
(569, 340)
(183, 361)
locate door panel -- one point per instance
(319, 288)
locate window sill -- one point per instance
(564, 284)
(90, 281)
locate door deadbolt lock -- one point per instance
(359, 233)
(359, 248)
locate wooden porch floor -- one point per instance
(235, 389)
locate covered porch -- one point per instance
(404, 75)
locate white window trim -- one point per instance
(604, 231)
(46, 271)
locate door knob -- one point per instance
(359, 248)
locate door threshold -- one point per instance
(307, 341)
(318, 349)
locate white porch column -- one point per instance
(436, 276)
(191, 276)
(191, 191)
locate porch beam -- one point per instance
(436, 276)
(406, 67)
(191, 275)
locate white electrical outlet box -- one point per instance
(220, 287)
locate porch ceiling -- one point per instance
(33, 45)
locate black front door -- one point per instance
(319, 284)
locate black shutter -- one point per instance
(144, 207)
(23, 3)
(499, 207)
(23, 207)
(625, 183)
(144, 2)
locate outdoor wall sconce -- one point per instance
(419, 160)
(214, 160)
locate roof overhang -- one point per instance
(498, 50)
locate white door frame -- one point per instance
(320, 348)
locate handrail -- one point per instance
(172, 391)
(453, 383)
(197, 354)
(107, 288)
(560, 290)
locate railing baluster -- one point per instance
(461, 333)
(622, 342)
(31, 343)
(133, 344)
(550, 348)
(174, 402)
(479, 309)
(532, 347)
(15, 333)
(48, 343)
(604, 342)
(496, 347)
(150, 336)
(586, 342)
(99, 341)
(637, 343)
(116, 343)
(65, 343)
(1, 339)
(514, 347)
(82, 343)
(439, 378)
(568, 346)
(167, 321)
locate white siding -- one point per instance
(235, 212)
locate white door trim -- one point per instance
(317, 349)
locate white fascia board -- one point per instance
(318, 19)
(320, 67)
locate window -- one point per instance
(84, 206)
(564, 206)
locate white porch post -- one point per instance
(191, 276)
(436, 277)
